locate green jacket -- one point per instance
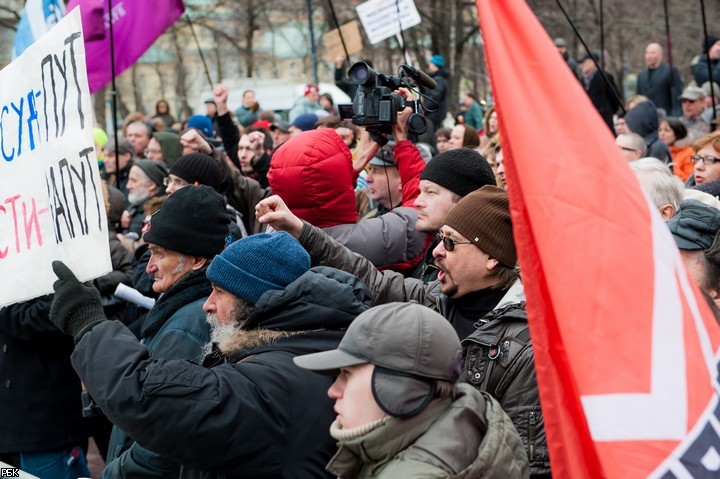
(473, 116)
(470, 437)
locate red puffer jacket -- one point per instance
(313, 174)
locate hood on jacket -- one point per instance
(313, 174)
(170, 146)
(322, 298)
(443, 72)
(643, 120)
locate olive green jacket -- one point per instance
(470, 437)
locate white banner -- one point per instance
(379, 18)
(51, 200)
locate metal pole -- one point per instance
(707, 52)
(313, 50)
(587, 49)
(113, 96)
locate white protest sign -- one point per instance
(51, 200)
(379, 18)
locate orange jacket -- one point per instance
(682, 165)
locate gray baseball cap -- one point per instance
(695, 225)
(384, 156)
(410, 345)
(693, 93)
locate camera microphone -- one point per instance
(419, 76)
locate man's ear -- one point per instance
(667, 211)
(492, 264)
(198, 262)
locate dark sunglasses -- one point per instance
(449, 243)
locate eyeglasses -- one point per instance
(179, 182)
(707, 159)
(449, 243)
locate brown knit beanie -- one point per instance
(483, 217)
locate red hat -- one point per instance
(262, 124)
(311, 89)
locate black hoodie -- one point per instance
(643, 120)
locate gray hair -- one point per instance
(635, 141)
(658, 182)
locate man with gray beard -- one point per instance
(146, 180)
(250, 412)
(183, 236)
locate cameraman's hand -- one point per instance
(75, 305)
(364, 151)
(400, 127)
(220, 95)
(274, 212)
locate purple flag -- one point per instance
(136, 25)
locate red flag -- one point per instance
(626, 349)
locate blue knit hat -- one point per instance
(202, 123)
(255, 264)
(306, 121)
(438, 61)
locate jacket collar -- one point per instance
(384, 442)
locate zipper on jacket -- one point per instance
(531, 434)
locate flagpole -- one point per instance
(342, 40)
(667, 41)
(313, 49)
(707, 52)
(113, 96)
(202, 57)
(587, 49)
(602, 37)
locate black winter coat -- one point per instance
(602, 97)
(643, 120)
(656, 84)
(499, 360)
(257, 414)
(440, 95)
(40, 405)
(700, 70)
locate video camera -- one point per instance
(376, 106)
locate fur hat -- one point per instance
(255, 264)
(483, 217)
(192, 221)
(461, 171)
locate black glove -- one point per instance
(76, 307)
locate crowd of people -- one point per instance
(328, 301)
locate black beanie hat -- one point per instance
(461, 171)
(157, 171)
(198, 168)
(192, 221)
